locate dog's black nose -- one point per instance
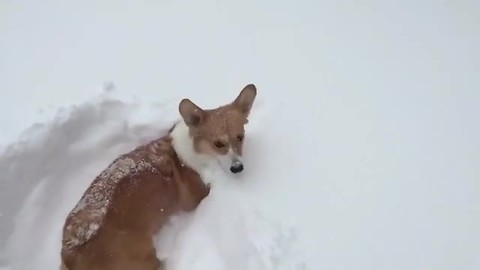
(236, 168)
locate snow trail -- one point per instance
(56, 164)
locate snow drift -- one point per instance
(58, 160)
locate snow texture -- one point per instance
(362, 149)
(42, 215)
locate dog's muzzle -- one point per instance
(237, 166)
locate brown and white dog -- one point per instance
(113, 224)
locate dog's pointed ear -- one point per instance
(191, 113)
(245, 99)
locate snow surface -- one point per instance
(66, 156)
(362, 148)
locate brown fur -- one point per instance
(112, 226)
(140, 204)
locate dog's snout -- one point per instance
(236, 167)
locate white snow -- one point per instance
(362, 149)
(68, 173)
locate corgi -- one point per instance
(113, 224)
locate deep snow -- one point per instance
(363, 146)
(229, 230)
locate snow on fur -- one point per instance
(89, 213)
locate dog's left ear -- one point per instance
(245, 99)
(191, 113)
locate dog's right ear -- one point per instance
(191, 113)
(245, 99)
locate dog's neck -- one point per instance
(182, 143)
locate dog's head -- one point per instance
(220, 132)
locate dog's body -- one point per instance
(112, 225)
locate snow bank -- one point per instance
(363, 144)
(47, 173)
(228, 232)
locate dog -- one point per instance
(113, 224)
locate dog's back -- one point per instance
(112, 225)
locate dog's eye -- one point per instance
(219, 144)
(240, 138)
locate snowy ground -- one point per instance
(57, 166)
(363, 149)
